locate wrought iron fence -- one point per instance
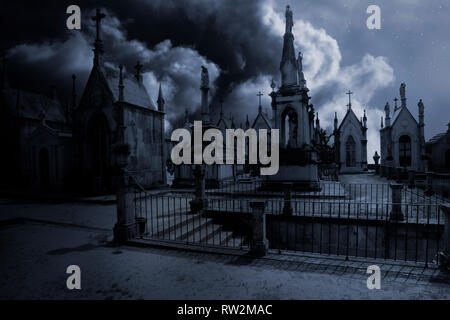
(339, 219)
(170, 218)
(351, 229)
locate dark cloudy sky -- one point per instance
(241, 43)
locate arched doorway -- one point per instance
(98, 138)
(404, 148)
(44, 169)
(289, 128)
(350, 152)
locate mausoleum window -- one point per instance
(350, 146)
(405, 151)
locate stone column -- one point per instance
(444, 256)
(199, 203)
(287, 210)
(411, 178)
(396, 213)
(126, 227)
(259, 245)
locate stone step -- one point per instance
(167, 225)
(196, 229)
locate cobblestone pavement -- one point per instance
(35, 256)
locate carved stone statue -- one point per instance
(421, 106)
(289, 20)
(387, 109)
(299, 61)
(402, 91)
(292, 133)
(205, 77)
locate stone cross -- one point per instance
(259, 95)
(98, 18)
(395, 105)
(349, 99)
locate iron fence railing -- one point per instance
(339, 219)
(169, 218)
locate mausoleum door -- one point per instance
(98, 140)
(404, 147)
(350, 152)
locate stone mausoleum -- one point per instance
(57, 146)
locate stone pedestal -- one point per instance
(126, 227)
(396, 213)
(287, 210)
(199, 203)
(259, 245)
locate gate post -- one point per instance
(287, 209)
(396, 213)
(125, 227)
(199, 203)
(444, 256)
(259, 245)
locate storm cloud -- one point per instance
(239, 41)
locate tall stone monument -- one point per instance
(294, 117)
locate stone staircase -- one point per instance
(192, 229)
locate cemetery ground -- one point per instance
(40, 240)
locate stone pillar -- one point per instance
(125, 227)
(389, 172)
(259, 245)
(287, 210)
(199, 203)
(444, 256)
(376, 159)
(396, 213)
(411, 178)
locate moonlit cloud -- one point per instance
(326, 78)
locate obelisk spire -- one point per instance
(301, 76)
(160, 100)
(98, 44)
(121, 86)
(205, 89)
(288, 65)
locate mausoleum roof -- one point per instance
(33, 105)
(133, 91)
(437, 137)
